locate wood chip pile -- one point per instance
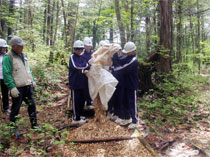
(102, 128)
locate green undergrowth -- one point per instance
(173, 101)
(48, 74)
(38, 144)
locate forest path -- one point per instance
(190, 139)
(194, 136)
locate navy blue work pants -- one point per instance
(87, 97)
(115, 105)
(26, 95)
(78, 101)
(5, 95)
(130, 104)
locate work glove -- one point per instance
(34, 84)
(14, 92)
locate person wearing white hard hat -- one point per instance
(116, 100)
(4, 89)
(77, 81)
(127, 75)
(107, 41)
(119, 52)
(19, 79)
(88, 51)
(102, 43)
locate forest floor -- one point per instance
(189, 139)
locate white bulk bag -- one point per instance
(101, 81)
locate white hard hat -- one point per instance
(78, 44)
(129, 47)
(107, 41)
(3, 43)
(118, 46)
(87, 41)
(102, 43)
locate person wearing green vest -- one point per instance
(18, 78)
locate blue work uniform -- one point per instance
(128, 78)
(87, 56)
(77, 83)
(116, 103)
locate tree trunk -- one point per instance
(132, 20)
(3, 26)
(51, 24)
(1, 30)
(166, 36)
(21, 11)
(111, 33)
(145, 78)
(198, 36)
(192, 35)
(156, 23)
(44, 24)
(94, 33)
(203, 36)
(11, 11)
(120, 23)
(75, 23)
(179, 31)
(48, 22)
(127, 31)
(30, 17)
(56, 25)
(95, 26)
(65, 24)
(72, 21)
(147, 23)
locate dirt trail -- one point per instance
(194, 141)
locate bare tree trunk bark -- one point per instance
(111, 33)
(65, 24)
(192, 35)
(120, 23)
(30, 18)
(95, 26)
(3, 26)
(75, 23)
(179, 31)
(21, 11)
(203, 36)
(94, 30)
(147, 23)
(132, 20)
(52, 25)
(156, 22)
(44, 25)
(48, 22)
(56, 25)
(11, 11)
(1, 30)
(166, 36)
(127, 31)
(198, 36)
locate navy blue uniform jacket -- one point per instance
(127, 71)
(77, 63)
(87, 55)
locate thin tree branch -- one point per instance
(199, 12)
